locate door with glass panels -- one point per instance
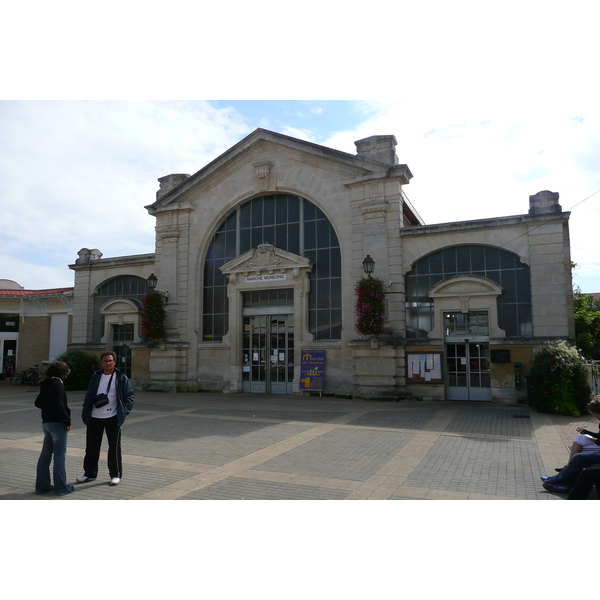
(468, 371)
(268, 353)
(467, 356)
(122, 339)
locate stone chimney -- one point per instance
(86, 255)
(544, 203)
(168, 182)
(378, 147)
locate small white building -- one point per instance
(34, 325)
(258, 254)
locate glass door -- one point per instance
(122, 338)
(467, 356)
(268, 354)
(468, 371)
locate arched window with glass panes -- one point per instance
(126, 286)
(293, 224)
(497, 264)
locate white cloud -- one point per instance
(78, 174)
(487, 162)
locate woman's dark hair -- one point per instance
(594, 405)
(57, 369)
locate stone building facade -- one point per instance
(258, 254)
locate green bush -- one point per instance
(82, 365)
(557, 381)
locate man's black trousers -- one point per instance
(93, 442)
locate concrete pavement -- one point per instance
(255, 447)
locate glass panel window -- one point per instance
(9, 322)
(292, 224)
(126, 286)
(496, 264)
(472, 323)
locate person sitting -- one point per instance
(588, 478)
(588, 441)
(585, 452)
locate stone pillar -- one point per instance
(83, 301)
(550, 267)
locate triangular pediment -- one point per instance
(265, 259)
(248, 151)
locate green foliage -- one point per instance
(557, 380)
(587, 323)
(82, 365)
(370, 306)
(154, 316)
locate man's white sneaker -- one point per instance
(85, 478)
(115, 481)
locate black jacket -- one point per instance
(52, 399)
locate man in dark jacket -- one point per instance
(108, 400)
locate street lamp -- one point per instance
(152, 282)
(368, 265)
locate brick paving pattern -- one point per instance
(219, 447)
(349, 454)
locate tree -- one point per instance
(587, 323)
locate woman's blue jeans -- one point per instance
(55, 443)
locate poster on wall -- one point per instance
(424, 367)
(312, 370)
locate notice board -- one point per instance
(312, 370)
(424, 367)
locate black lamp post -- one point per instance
(368, 265)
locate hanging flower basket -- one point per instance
(370, 306)
(154, 316)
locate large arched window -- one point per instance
(501, 266)
(290, 223)
(126, 286)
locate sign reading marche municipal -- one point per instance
(253, 278)
(312, 370)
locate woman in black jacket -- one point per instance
(56, 423)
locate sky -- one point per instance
(488, 105)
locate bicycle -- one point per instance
(30, 376)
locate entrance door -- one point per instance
(268, 354)
(468, 371)
(8, 352)
(122, 338)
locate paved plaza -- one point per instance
(255, 447)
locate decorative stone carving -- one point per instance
(544, 202)
(86, 255)
(168, 233)
(261, 176)
(374, 207)
(264, 256)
